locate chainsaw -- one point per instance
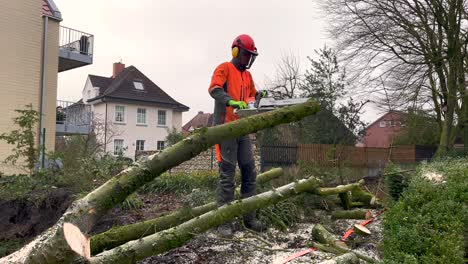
(266, 104)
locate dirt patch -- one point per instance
(28, 218)
(153, 206)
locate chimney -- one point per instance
(200, 112)
(117, 69)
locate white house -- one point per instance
(136, 114)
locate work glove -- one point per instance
(262, 93)
(237, 104)
(259, 95)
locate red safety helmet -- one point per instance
(246, 43)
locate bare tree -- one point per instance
(417, 47)
(288, 79)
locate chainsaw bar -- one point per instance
(268, 104)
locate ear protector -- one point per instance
(235, 52)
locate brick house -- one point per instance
(381, 132)
(200, 120)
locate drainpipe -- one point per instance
(105, 131)
(43, 92)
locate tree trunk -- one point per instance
(119, 235)
(348, 258)
(51, 247)
(177, 236)
(354, 214)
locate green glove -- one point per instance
(237, 104)
(262, 93)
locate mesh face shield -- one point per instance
(246, 53)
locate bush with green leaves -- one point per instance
(428, 223)
(396, 181)
(23, 139)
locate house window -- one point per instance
(383, 124)
(119, 113)
(161, 118)
(141, 116)
(160, 145)
(140, 145)
(138, 85)
(118, 147)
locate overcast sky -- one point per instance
(177, 44)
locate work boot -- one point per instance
(225, 230)
(254, 224)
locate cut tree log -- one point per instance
(351, 214)
(51, 247)
(339, 189)
(361, 230)
(345, 199)
(347, 258)
(177, 236)
(119, 235)
(122, 234)
(322, 236)
(366, 198)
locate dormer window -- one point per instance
(138, 85)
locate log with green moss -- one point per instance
(325, 238)
(345, 198)
(347, 258)
(121, 234)
(51, 247)
(178, 236)
(366, 198)
(339, 189)
(351, 214)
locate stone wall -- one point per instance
(202, 162)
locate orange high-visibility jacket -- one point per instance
(236, 85)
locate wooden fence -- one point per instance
(332, 155)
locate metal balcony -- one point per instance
(73, 118)
(75, 49)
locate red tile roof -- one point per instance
(49, 9)
(46, 9)
(200, 120)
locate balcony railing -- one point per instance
(76, 41)
(75, 49)
(73, 118)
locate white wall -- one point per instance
(89, 91)
(177, 120)
(130, 132)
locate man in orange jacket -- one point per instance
(231, 87)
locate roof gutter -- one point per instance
(55, 11)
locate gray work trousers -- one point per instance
(233, 152)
